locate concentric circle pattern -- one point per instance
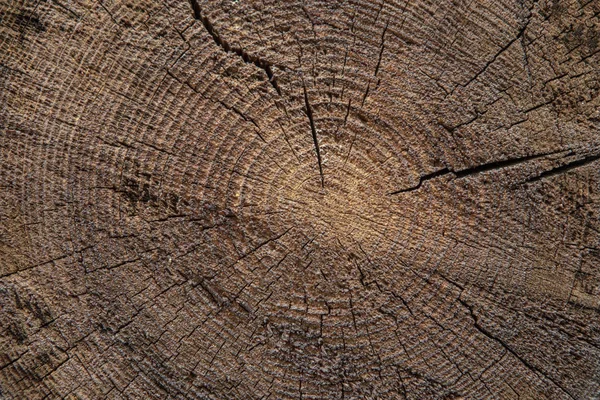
(310, 200)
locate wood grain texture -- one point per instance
(276, 199)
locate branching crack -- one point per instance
(498, 54)
(313, 129)
(496, 165)
(248, 58)
(565, 168)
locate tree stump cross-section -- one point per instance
(333, 199)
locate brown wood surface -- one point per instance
(335, 199)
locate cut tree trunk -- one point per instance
(312, 200)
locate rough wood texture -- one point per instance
(312, 200)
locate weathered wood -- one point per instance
(317, 199)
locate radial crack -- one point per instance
(508, 348)
(313, 129)
(520, 33)
(248, 58)
(496, 165)
(381, 48)
(565, 168)
(424, 178)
